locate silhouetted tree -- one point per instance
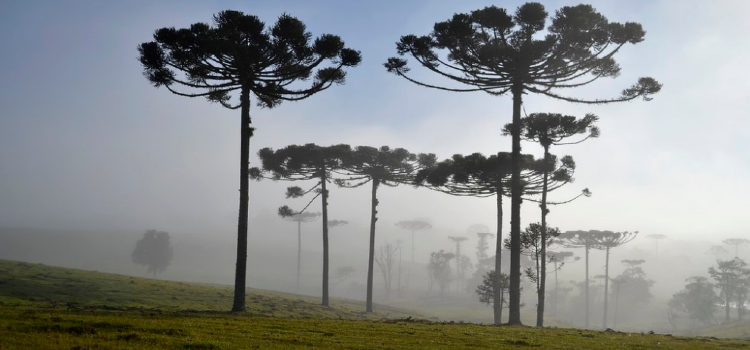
(458, 241)
(495, 52)
(730, 277)
(238, 54)
(301, 163)
(736, 242)
(487, 291)
(717, 250)
(384, 257)
(380, 166)
(585, 240)
(342, 274)
(288, 214)
(153, 251)
(656, 238)
(698, 300)
(607, 241)
(559, 259)
(440, 270)
(478, 176)
(413, 226)
(549, 129)
(632, 285)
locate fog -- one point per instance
(92, 156)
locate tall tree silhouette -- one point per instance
(656, 237)
(287, 214)
(308, 162)
(238, 54)
(458, 240)
(498, 53)
(379, 166)
(559, 259)
(548, 129)
(586, 240)
(153, 251)
(607, 241)
(413, 225)
(736, 242)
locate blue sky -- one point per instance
(87, 143)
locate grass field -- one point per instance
(44, 307)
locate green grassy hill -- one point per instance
(43, 307)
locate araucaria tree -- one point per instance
(458, 240)
(559, 259)
(384, 257)
(308, 162)
(731, 277)
(413, 226)
(548, 129)
(736, 242)
(379, 166)
(586, 240)
(498, 53)
(239, 55)
(607, 241)
(656, 237)
(287, 214)
(153, 251)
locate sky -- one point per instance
(86, 142)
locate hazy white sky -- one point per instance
(87, 143)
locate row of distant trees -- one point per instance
(487, 50)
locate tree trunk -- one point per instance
(241, 267)
(543, 274)
(606, 289)
(726, 307)
(299, 253)
(458, 267)
(412, 247)
(398, 291)
(371, 260)
(617, 301)
(498, 293)
(587, 285)
(325, 238)
(514, 293)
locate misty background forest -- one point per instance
(594, 155)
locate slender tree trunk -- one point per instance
(398, 291)
(412, 247)
(325, 238)
(458, 266)
(587, 285)
(556, 292)
(543, 274)
(371, 261)
(498, 293)
(617, 301)
(241, 267)
(514, 293)
(299, 253)
(606, 289)
(726, 308)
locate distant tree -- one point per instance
(153, 251)
(413, 225)
(736, 242)
(492, 51)
(486, 290)
(484, 261)
(309, 162)
(698, 300)
(288, 214)
(631, 286)
(384, 257)
(440, 270)
(458, 241)
(656, 238)
(239, 54)
(607, 241)
(380, 166)
(342, 274)
(717, 250)
(559, 259)
(548, 129)
(586, 240)
(731, 277)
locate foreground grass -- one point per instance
(44, 307)
(39, 328)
